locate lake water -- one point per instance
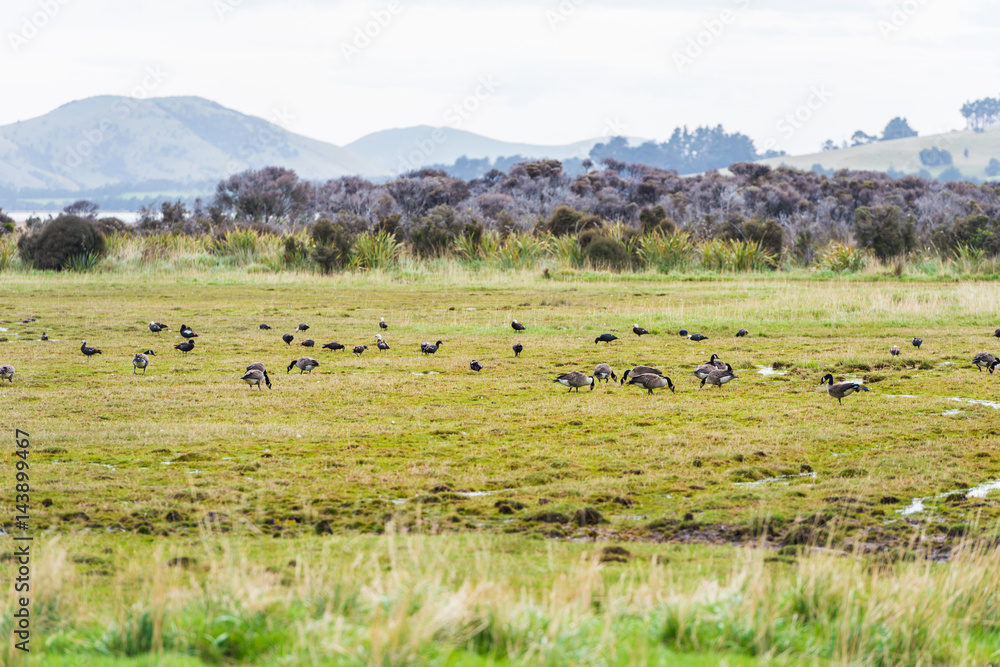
(125, 216)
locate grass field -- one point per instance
(397, 508)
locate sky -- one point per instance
(790, 74)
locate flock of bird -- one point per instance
(714, 372)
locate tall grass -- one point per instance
(8, 251)
(839, 258)
(667, 252)
(520, 251)
(374, 251)
(566, 250)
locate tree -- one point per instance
(861, 138)
(82, 208)
(271, 194)
(897, 128)
(55, 244)
(935, 157)
(886, 230)
(993, 168)
(828, 145)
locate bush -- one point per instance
(885, 230)
(334, 244)
(656, 221)
(434, 234)
(606, 253)
(570, 221)
(67, 239)
(767, 233)
(935, 157)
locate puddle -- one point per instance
(767, 370)
(779, 478)
(980, 491)
(916, 506)
(397, 501)
(952, 412)
(976, 401)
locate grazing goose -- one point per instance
(185, 347)
(715, 361)
(651, 381)
(428, 348)
(87, 350)
(360, 349)
(917, 342)
(638, 331)
(45, 336)
(7, 373)
(303, 364)
(333, 346)
(984, 360)
(605, 338)
(697, 337)
(382, 324)
(257, 366)
(140, 360)
(264, 327)
(186, 332)
(741, 333)
(157, 327)
(603, 372)
(382, 345)
(517, 326)
(288, 338)
(841, 389)
(639, 370)
(475, 365)
(302, 327)
(720, 377)
(707, 369)
(256, 378)
(575, 380)
(683, 332)
(518, 348)
(894, 350)
(308, 342)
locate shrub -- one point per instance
(935, 157)
(375, 250)
(53, 245)
(434, 234)
(656, 221)
(334, 244)
(767, 233)
(607, 253)
(885, 230)
(570, 221)
(839, 257)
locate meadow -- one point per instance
(399, 508)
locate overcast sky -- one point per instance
(546, 72)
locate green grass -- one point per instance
(130, 471)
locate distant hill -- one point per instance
(903, 155)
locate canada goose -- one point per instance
(157, 327)
(264, 327)
(517, 326)
(719, 377)
(475, 365)
(650, 381)
(605, 338)
(382, 345)
(302, 327)
(428, 348)
(518, 348)
(140, 360)
(841, 389)
(309, 342)
(639, 370)
(697, 337)
(741, 333)
(894, 350)
(87, 350)
(186, 332)
(333, 346)
(257, 366)
(603, 372)
(45, 336)
(983, 360)
(994, 365)
(303, 364)
(707, 369)
(917, 342)
(575, 380)
(288, 338)
(683, 332)
(715, 361)
(185, 347)
(7, 373)
(382, 324)
(360, 349)
(638, 331)
(255, 378)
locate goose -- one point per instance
(720, 377)
(517, 326)
(741, 333)
(382, 324)
(575, 380)
(475, 365)
(309, 342)
(381, 344)
(7, 373)
(697, 337)
(707, 369)
(157, 327)
(333, 346)
(140, 360)
(186, 332)
(651, 381)
(605, 338)
(984, 360)
(360, 349)
(257, 366)
(288, 338)
(45, 336)
(264, 327)
(303, 364)
(683, 332)
(603, 372)
(518, 348)
(639, 370)
(917, 342)
(428, 348)
(638, 331)
(715, 361)
(185, 347)
(302, 327)
(894, 350)
(841, 389)
(87, 350)
(256, 378)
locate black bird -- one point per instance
(841, 389)
(997, 333)
(186, 332)
(605, 338)
(309, 342)
(157, 327)
(894, 350)
(288, 338)
(741, 333)
(428, 348)
(638, 331)
(87, 350)
(302, 327)
(917, 342)
(382, 345)
(45, 336)
(259, 367)
(651, 381)
(517, 326)
(697, 337)
(141, 360)
(185, 347)
(382, 324)
(359, 349)
(518, 348)
(264, 327)
(333, 346)
(303, 364)
(683, 332)
(475, 365)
